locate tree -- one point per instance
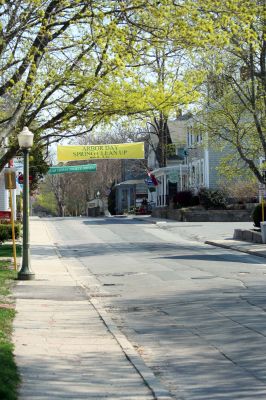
(69, 65)
(58, 185)
(45, 201)
(176, 88)
(57, 57)
(78, 188)
(167, 71)
(235, 95)
(38, 167)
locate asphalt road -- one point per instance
(195, 313)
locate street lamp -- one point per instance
(25, 140)
(98, 198)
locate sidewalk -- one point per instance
(66, 346)
(254, 249)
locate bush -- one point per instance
(6, 231)
(195, 201)
(210, 198)
(3, 233)
(43, 211)
(183, 198)
(257, 215)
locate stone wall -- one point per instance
(248, 235)
(200, 215)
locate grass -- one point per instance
(6, 250)
(9, 377)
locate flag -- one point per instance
(153, 178)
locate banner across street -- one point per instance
(104, 151)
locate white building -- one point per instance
(5, 195)
(191, 162)
(4, 198)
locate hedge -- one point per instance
(6, 231)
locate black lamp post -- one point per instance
(25, 140)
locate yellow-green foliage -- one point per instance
(68, 66)
(47, 201)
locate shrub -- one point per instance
(3, 233)
(183, 198)
(210, 198)
(112, 200)
(6, 231)
(43, 211)
(195, 201)
(257, 215)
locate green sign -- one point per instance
(72, 168)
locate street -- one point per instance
(195, 313)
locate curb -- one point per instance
(236, 248)
(132, 355)
(148, 221)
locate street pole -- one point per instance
(25, 273)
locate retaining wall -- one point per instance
(247, 235)
(198, 215)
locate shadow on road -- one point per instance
(237, 258)
(113, 221)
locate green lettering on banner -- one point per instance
(72, 168)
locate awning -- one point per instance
(131, 182)
(181, 168)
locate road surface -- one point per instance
(195, 313)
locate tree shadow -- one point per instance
(236, 258)
(202, 344)
(90, 375)
(115, 220)
(100, 249)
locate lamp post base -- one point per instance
(26, 276)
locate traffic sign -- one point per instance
(72, 168)
(18, 163)
(149, 182)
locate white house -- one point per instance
(202, 159)
(4, 193)
(191, 162)
(4, 198)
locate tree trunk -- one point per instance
(162, 132)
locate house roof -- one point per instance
(177, 128)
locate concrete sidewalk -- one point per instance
(238, 245)
(66, 347)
